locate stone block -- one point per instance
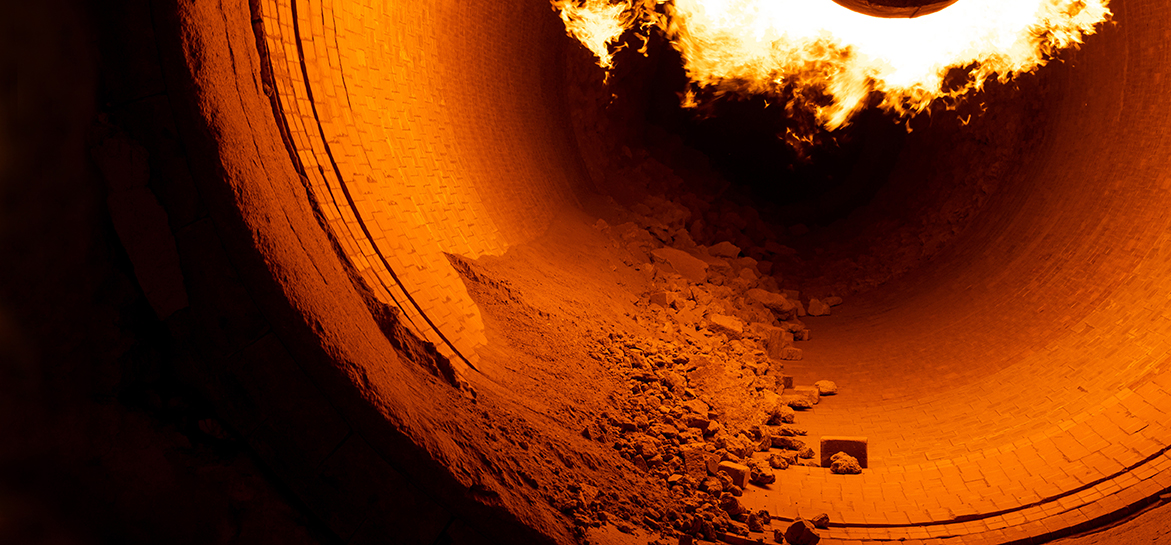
(797, 401)
(664, 299)
(728, 325)
(826, 387)
(776, 341)
(738, 472)
(854, 446)
(790, 353)
(773, 301)
(682, 263)
(698, 462)
(802, 532)
(810, 392)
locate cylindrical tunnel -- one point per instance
(339, 162)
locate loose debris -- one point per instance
(844, 464)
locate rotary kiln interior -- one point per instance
(1010, 374)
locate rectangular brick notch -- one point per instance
(854, 446)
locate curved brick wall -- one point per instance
(300, 265)
(1019, 382)
(418, 142)
(1012, 389)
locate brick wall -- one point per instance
(265, 311)
(423, 129)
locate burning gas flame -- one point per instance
(825, 58)
(596, 24)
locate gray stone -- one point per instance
(820, 521)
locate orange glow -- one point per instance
(832, 59)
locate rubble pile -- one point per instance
(710, 412)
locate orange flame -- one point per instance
(832, 59)
(596, 24)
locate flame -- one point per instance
(596, 24)
(829, 60)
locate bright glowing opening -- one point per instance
(829, 60)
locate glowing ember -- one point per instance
(830, 59)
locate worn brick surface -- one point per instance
(415, 149)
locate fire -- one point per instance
(830, 60)
(596, 24)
